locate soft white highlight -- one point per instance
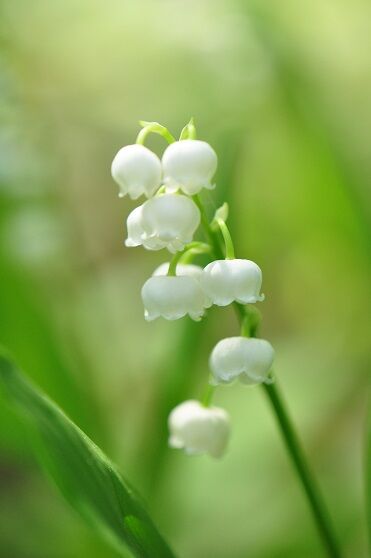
(173, 297)
(226, 281)
(248, 359)
(167, 221)
(197, 429)
(189, 165)
(137, 171)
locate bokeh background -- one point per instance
(282, 90)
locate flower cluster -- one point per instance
(169, 219)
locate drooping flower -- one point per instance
(167, 221)
(137, 171)
(135, 228)
(225, 281)
(189, 165)
(181, 269)
(248, 359)
(173, 297)
(197, 429)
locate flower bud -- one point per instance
(137, 171)
(225, 281)
(248, 359)
(167, 221)
(181, 269)
(189, 165)
(198, 429)
(173, 297)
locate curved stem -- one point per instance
(153, 128)
(229, 248)
(213, 240)
(249, 323)
(196, 247)
(173, 263)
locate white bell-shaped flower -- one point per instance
(181, 269)
(135, 228)
(248, 359)
(173, 297)
(198, 429)
(137, 171)
(225, 281)
(189, 165)
(167, 221)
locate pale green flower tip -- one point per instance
(189, 131)
(222, 212)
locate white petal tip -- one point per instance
(149, 317)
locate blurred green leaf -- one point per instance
(85, 476)
(368, 476)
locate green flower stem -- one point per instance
(188, 256)
(212, 239)
(208, 395)
(300, 463)
(295, 451)
(153, 128)
(249, 319)
(192, 247)
(229, 248)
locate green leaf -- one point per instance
(84, 475)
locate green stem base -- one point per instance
(299, 461)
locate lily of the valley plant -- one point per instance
(168, 220)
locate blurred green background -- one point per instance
(282, 90)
